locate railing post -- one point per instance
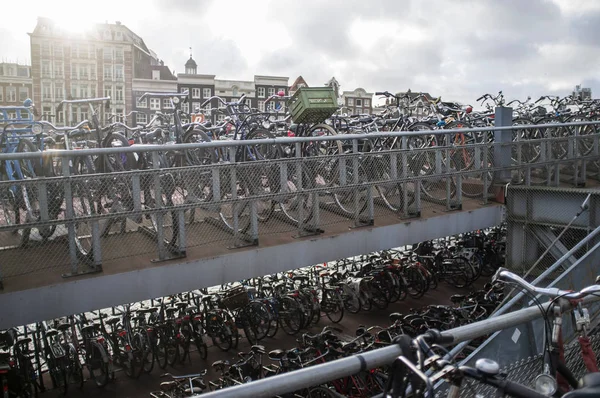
(160, 241)
(70, 214)
(502, 140)
(404, 175)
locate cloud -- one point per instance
(459, 49)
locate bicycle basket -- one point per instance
(235, 298)
(313, 104)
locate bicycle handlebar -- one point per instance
(507, 276)
(65, 128)
(164, 95)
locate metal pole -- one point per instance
(502, 140)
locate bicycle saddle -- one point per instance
(276, 354)
(64, 326)
(113, 321)
(396, 316)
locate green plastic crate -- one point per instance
(313, 104)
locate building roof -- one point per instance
(191, 63)
(299, 80)
(165, 73)
(101, 32)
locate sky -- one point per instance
(459, 49)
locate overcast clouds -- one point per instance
(458, 49)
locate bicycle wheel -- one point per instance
(263, 177)
(296, 205)
(351, 300)
(98, 366)
(75, 368)
(332, 306)
(139, 354)
(416, 282)
(160, 348)
(58, 373)
(219, 333)
(291, 316)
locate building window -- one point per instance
(261, 106)
(119, 54)
(23, 72)
(74, 90)
(118, 35)
(195, 93)
(92, 72)
(261, 92)
(93, 91)
(11, 94)
(185, 107)
(108, 91)
(46, 112)
(83, 72)
(74, 51)
(107, 72)
(46, 49)
(141, 118)
(206, 93)
(118, 72)
(1, 94)
(358, 102)
(367, 102)
(248, 102)
(23, 93)
(155, 75)
(167, 103)
(83, 91)
(46, 69)
(183, 89)
(74, 74)
(59, 92)
(195, 106)
(92, 51)
(108, 55)
(46, 92)
(350, 102)
(234, 91)
(141, 104)
(271, 91)
(58, 69)
(74, 114)
(119, 93)
(155, 104)
(82, 50)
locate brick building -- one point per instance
(102, 61)
(16, 84)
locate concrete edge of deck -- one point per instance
(80, 295)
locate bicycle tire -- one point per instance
(291, 316)
(332, 306)
(97, 362)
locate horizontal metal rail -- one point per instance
(319, 374)
(284, 141)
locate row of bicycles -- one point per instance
(182, 183)
(161, 333)
(331, 344)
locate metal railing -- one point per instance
(76, 222)
(320, 374)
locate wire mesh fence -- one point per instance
(79, 221)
